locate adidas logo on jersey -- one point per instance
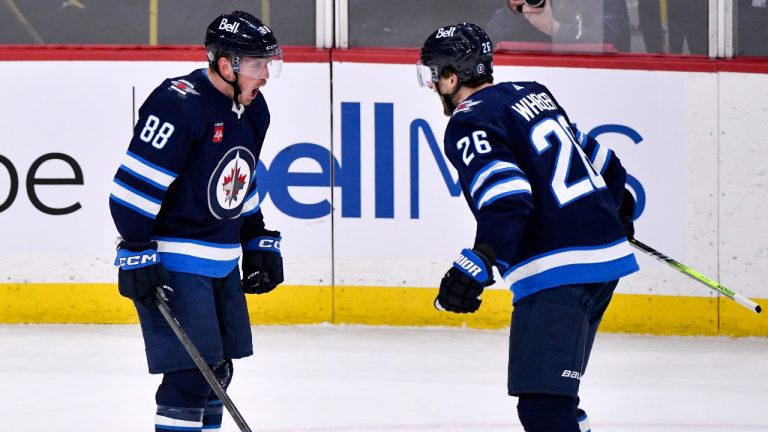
(232, 28)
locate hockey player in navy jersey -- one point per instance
(186, 203)
(552, 216)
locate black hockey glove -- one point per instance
(140, 271)
(627, 213)
(464, 282)
(262, 264)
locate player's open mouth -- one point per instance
(254, 92)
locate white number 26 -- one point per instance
(481, 146)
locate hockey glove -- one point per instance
(140, 271)
(627, 213)
(464, 282)
(262, 264)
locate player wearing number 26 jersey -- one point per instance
(552, 216)
(544, 194)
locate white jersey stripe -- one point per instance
(142, 168)
(135, 199)
(513, 185)
(488, 171)
(252, 203)
(568, 257)
(215, 253)
(601, 157)
(168, 421)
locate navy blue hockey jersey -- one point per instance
(188, 178)
(548, 209)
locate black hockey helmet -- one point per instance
(465, 47)
(240, 34)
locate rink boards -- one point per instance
(371, 247)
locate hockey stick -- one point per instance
(693, 274)
(162, 304)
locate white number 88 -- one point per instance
(161, 138)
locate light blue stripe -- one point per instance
(568, 249)
(491, 171)
(132, 207)
(153, 166)
(195, 265)
(144, 179)
(504, 193)
(607, 161)
(573, 274)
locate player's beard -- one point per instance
(448, 106)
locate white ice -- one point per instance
(353, 378)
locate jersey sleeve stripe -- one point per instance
(506, 187)
(489, 170)
(153, 173)
(600, 158)
(135, 199)
(131, 206)
(582, 138)
(143, 178)
(251, 203)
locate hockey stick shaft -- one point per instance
(693, 274)
(162, 304)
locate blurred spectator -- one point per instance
(565, 22)
(752, 28)
(509, 25)
(649, 20)
(688, 22)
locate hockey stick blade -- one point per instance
(693, 274)
(162, 304)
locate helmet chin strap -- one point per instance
(237, 107)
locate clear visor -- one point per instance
(261, 67)
(427, 75)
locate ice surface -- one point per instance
(355, 378)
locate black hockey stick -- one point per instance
(693, 274)
(162, 304)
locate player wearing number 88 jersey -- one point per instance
(186, 204)
(546, 199)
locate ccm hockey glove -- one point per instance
(462, 285)
(262, 264)
(140, 271)
(627, 213)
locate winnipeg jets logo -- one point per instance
(465, 106)
(234, 183)
(229, 183)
